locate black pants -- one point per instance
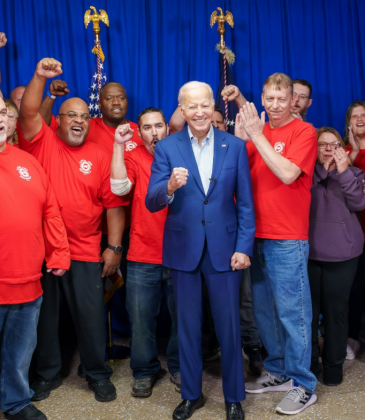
(83, 289)
(330, 284)
(356, 302)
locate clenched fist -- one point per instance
(58, 88)
(123, 133)
(3, 39)
(230, 93)
(49, 68)
(177, 179)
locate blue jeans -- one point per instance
(144, 288)
(18, 338)
(283, 308)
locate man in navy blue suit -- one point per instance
(202, 175)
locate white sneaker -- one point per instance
(352, 348)
(267, 383)
(296, 400)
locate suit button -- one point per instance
(203, 222)
(205, 201)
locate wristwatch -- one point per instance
(117, 249)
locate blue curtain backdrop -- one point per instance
(154, 46)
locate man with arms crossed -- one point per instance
(198, 173)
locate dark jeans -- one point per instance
(82, 287)
(18, 338)
(356, 301)
(145, 284)
(330, 284)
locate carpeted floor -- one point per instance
(74, 401)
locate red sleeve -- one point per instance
(303, 149)
(54, 232)
(36, 146)
(131, 167)
(53, 124)
(55, 239)
(109, 199)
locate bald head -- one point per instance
(16, 95)
(73, 122)
(71, 103)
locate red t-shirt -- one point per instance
(80, 177)
(27, 202)
(103, 135)
(282, 211)
(147, 228)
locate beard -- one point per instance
(76, 140)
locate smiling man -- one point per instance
(198, 173)
(79, 171)
(282, 154)
(146, 276)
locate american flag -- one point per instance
(232, 107)
(96, 82)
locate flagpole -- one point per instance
(96, 18)
(221, 19)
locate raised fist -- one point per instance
(3, 39)
(58, 88)
(177, 179)
(49, 68)
(230, 93)
(123, 133)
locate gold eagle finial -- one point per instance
(221, 19)
(95, 18)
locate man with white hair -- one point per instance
(202, 175)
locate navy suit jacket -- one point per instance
(194, 216)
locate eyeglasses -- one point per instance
(4, 112)
(301, 96)
(331, 145)
(73, 116)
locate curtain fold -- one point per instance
(153, 47)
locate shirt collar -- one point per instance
(209, 137)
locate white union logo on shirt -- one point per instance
(279, 147)
(85, 166)
(23, 172)
(130, 145)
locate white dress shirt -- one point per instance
(204, 156)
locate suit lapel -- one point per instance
(220, 150)
(186, 150)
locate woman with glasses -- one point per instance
(13, 113)
(335, 243)
(355, 137)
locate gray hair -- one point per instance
(191, 86)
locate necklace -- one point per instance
(108, 131)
